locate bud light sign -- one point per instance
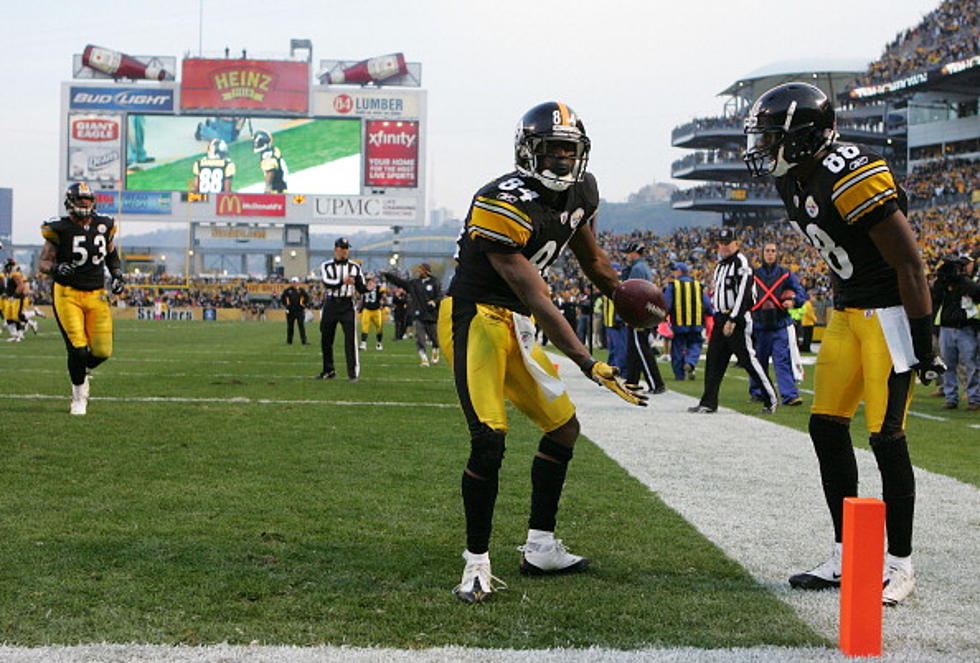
(391, 154)
(134, 99)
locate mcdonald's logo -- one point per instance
(229, 205)
(243, 204)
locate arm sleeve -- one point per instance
(397, 280)
(743, 301)
(359, 284)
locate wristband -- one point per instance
(921, 329)
(587, 368)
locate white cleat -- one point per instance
(362, 346)
(79, 398)
(824, 576)
(539, 559)
(379, 347)
(899, 582)
(435, 356)
(477, 584)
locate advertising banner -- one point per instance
(258, 204)
(391, 154)
(146, 202)
(94, 147)
(165, 63)
(381, 104)
(107, 202)
(128, 99)
(239, 233)
(381, 210)
(271, 85)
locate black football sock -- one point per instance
(898, 491)
(547, 482)
(838, 466)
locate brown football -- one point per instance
(640, 303)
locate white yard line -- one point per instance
(230, 401)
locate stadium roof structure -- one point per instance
(829, 73)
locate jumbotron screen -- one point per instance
(243, 154)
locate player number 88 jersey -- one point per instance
(850, 191)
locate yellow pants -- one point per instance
(370, 320)
(479, 342)
(84, 319)
(854, 364)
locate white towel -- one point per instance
(898, 335)
(524, 330)
(794, 354)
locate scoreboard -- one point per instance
(233, 139)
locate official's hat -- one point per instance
(342, 243)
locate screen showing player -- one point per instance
(216, 154)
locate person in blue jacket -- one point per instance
(777, 290)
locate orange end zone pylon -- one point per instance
(861, 569)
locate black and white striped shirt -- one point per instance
(734, 288)
(334, 273)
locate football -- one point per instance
(640, 303)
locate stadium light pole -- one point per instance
(200, 27)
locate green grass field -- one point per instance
(216, 492)
(305, 146)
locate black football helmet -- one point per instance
(217, 149)
(551, 145)
(74, 195)
(261, 140)
(786, 126)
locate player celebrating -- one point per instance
(271, 161)
(844, 199)
(213, 173)
(516, 227)
(372, 303)
(77, 249)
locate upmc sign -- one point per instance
(391, 155)
(381, 210)
(257, 204)
(271, 85)
(133, 99)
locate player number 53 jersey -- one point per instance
(515, 214)
(850, 191)
(84, 246)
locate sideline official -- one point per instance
(295, 298)
(342, 279)
(734, 293)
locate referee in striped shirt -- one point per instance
(342, 279)
(734, 294)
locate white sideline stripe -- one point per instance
(751, 486)
(254, 401)
(198, 376)
(225, 653)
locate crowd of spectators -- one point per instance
(948, 33)
(719, 191)
(940, 181)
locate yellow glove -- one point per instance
(608, 376)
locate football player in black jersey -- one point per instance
(77, 250)
(271, 161)
(516, 227)
(372, 303)
(214, 172)
(843, 198)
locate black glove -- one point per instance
(930, 370)
(64, 270)
(930, 367)
(118, 284)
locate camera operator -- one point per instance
(954, 303)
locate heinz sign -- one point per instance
(272, 85)
(391, 154)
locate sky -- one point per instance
(632, 69)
